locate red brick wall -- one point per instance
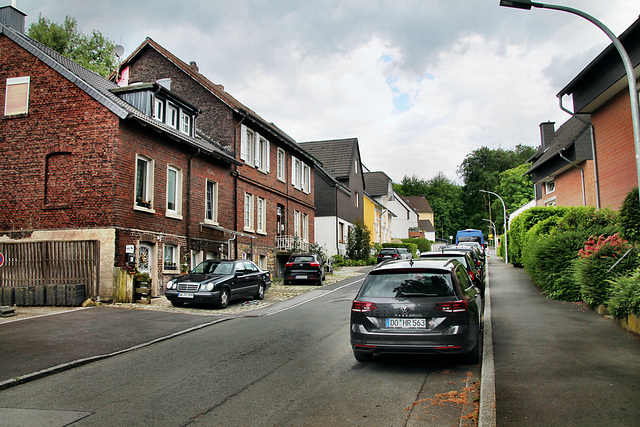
(568, 187)
(63, 124)
(615, 149)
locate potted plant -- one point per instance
(140, 277)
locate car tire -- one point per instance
(224, 298)
(474, 355)
(286, 282)
(177, 303)
(260, 293)
(362, 356)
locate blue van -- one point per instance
(470, 235)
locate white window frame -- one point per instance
(549, 187)
(247, 145)
(249, 212)
(146, 196)
(211, 202)
(158, 110)
(176, 210)
(261, 219)
(306, 178)
(281, 165)
(305, 227)
(296, 223)
(173, 114)
(185, 123)
(16, 100)
(295, 172)
(173, 252)
(262, 158)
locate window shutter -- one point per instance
(268, 156)
(243, 143)
(257, 160)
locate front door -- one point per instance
(145, 262)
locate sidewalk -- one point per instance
(558, 363)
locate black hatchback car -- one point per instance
(465, 259)
(217, 281)
(304, 268)
(420, 306)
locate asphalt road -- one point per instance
(558, 363)
(290, 364)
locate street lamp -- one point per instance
(628, 65)
(495, 232)
(504, 209)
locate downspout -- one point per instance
(229, 246)
(189, 200)
(235, 174)
(337, 221)
(584, 196)
(596, 176)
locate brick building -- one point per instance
(84, 160)
(271, 208)
(601, 90)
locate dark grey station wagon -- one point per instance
(419, 306)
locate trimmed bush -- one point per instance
(629, 217)
(625, 294)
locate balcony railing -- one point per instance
(291, 244)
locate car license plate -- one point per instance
(185, 294)
(301, 276)
(406, 323)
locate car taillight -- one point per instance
(472, 274)
(363, 306)
(395, 255)
(289, 264)
(452, 306)
(314, 264)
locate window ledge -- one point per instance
(262, 233)
(55, 206)
(16, 116)
(174, 216)
(143, 209)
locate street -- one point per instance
(288, 365)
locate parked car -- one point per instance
(217, 281)
(387, 254)
(465, 259)
(304, 268)
(480, 263)
(480, 249)
(420, 306)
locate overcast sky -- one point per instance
(420, 83)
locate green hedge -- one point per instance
(625, 294)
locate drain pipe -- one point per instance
(596, 176)
(229, 245)
(584, 196)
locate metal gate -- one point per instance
(51, 262)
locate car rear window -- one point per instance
(302, 259)
(407, 283)
(387, 251)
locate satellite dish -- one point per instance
(118, 50)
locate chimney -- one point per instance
(547, 134)
(12, 18)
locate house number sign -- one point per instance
(1, 259)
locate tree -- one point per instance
(94, 52)
(515, 187)
(359, 241)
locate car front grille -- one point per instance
(188, 287)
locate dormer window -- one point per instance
(172, 116)
(158, 111)
(186, 123)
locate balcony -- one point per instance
(291, 244)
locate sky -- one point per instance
(420, 83)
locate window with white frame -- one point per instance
(357, 199)
(174, 192)
(211, 207)
(172, 116)
(262, 216)
(550, 187)
(144, 182)
(158, 111)
(248, 212)
(262, 158)
(295, 172)
(306, 178)
(16, 99)
(247, 145)
(185, 124)
(170, 257)
(296, 223)
(281, 165)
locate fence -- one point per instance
(51, 262)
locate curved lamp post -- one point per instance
(495, 231)
(504, 209)
(628, 65)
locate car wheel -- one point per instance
(362, 356)
(286, 282)
(473, 356)
(260, 293)
(177, 303)
(224, 298)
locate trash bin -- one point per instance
(142, 291)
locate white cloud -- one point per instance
(420, 83)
